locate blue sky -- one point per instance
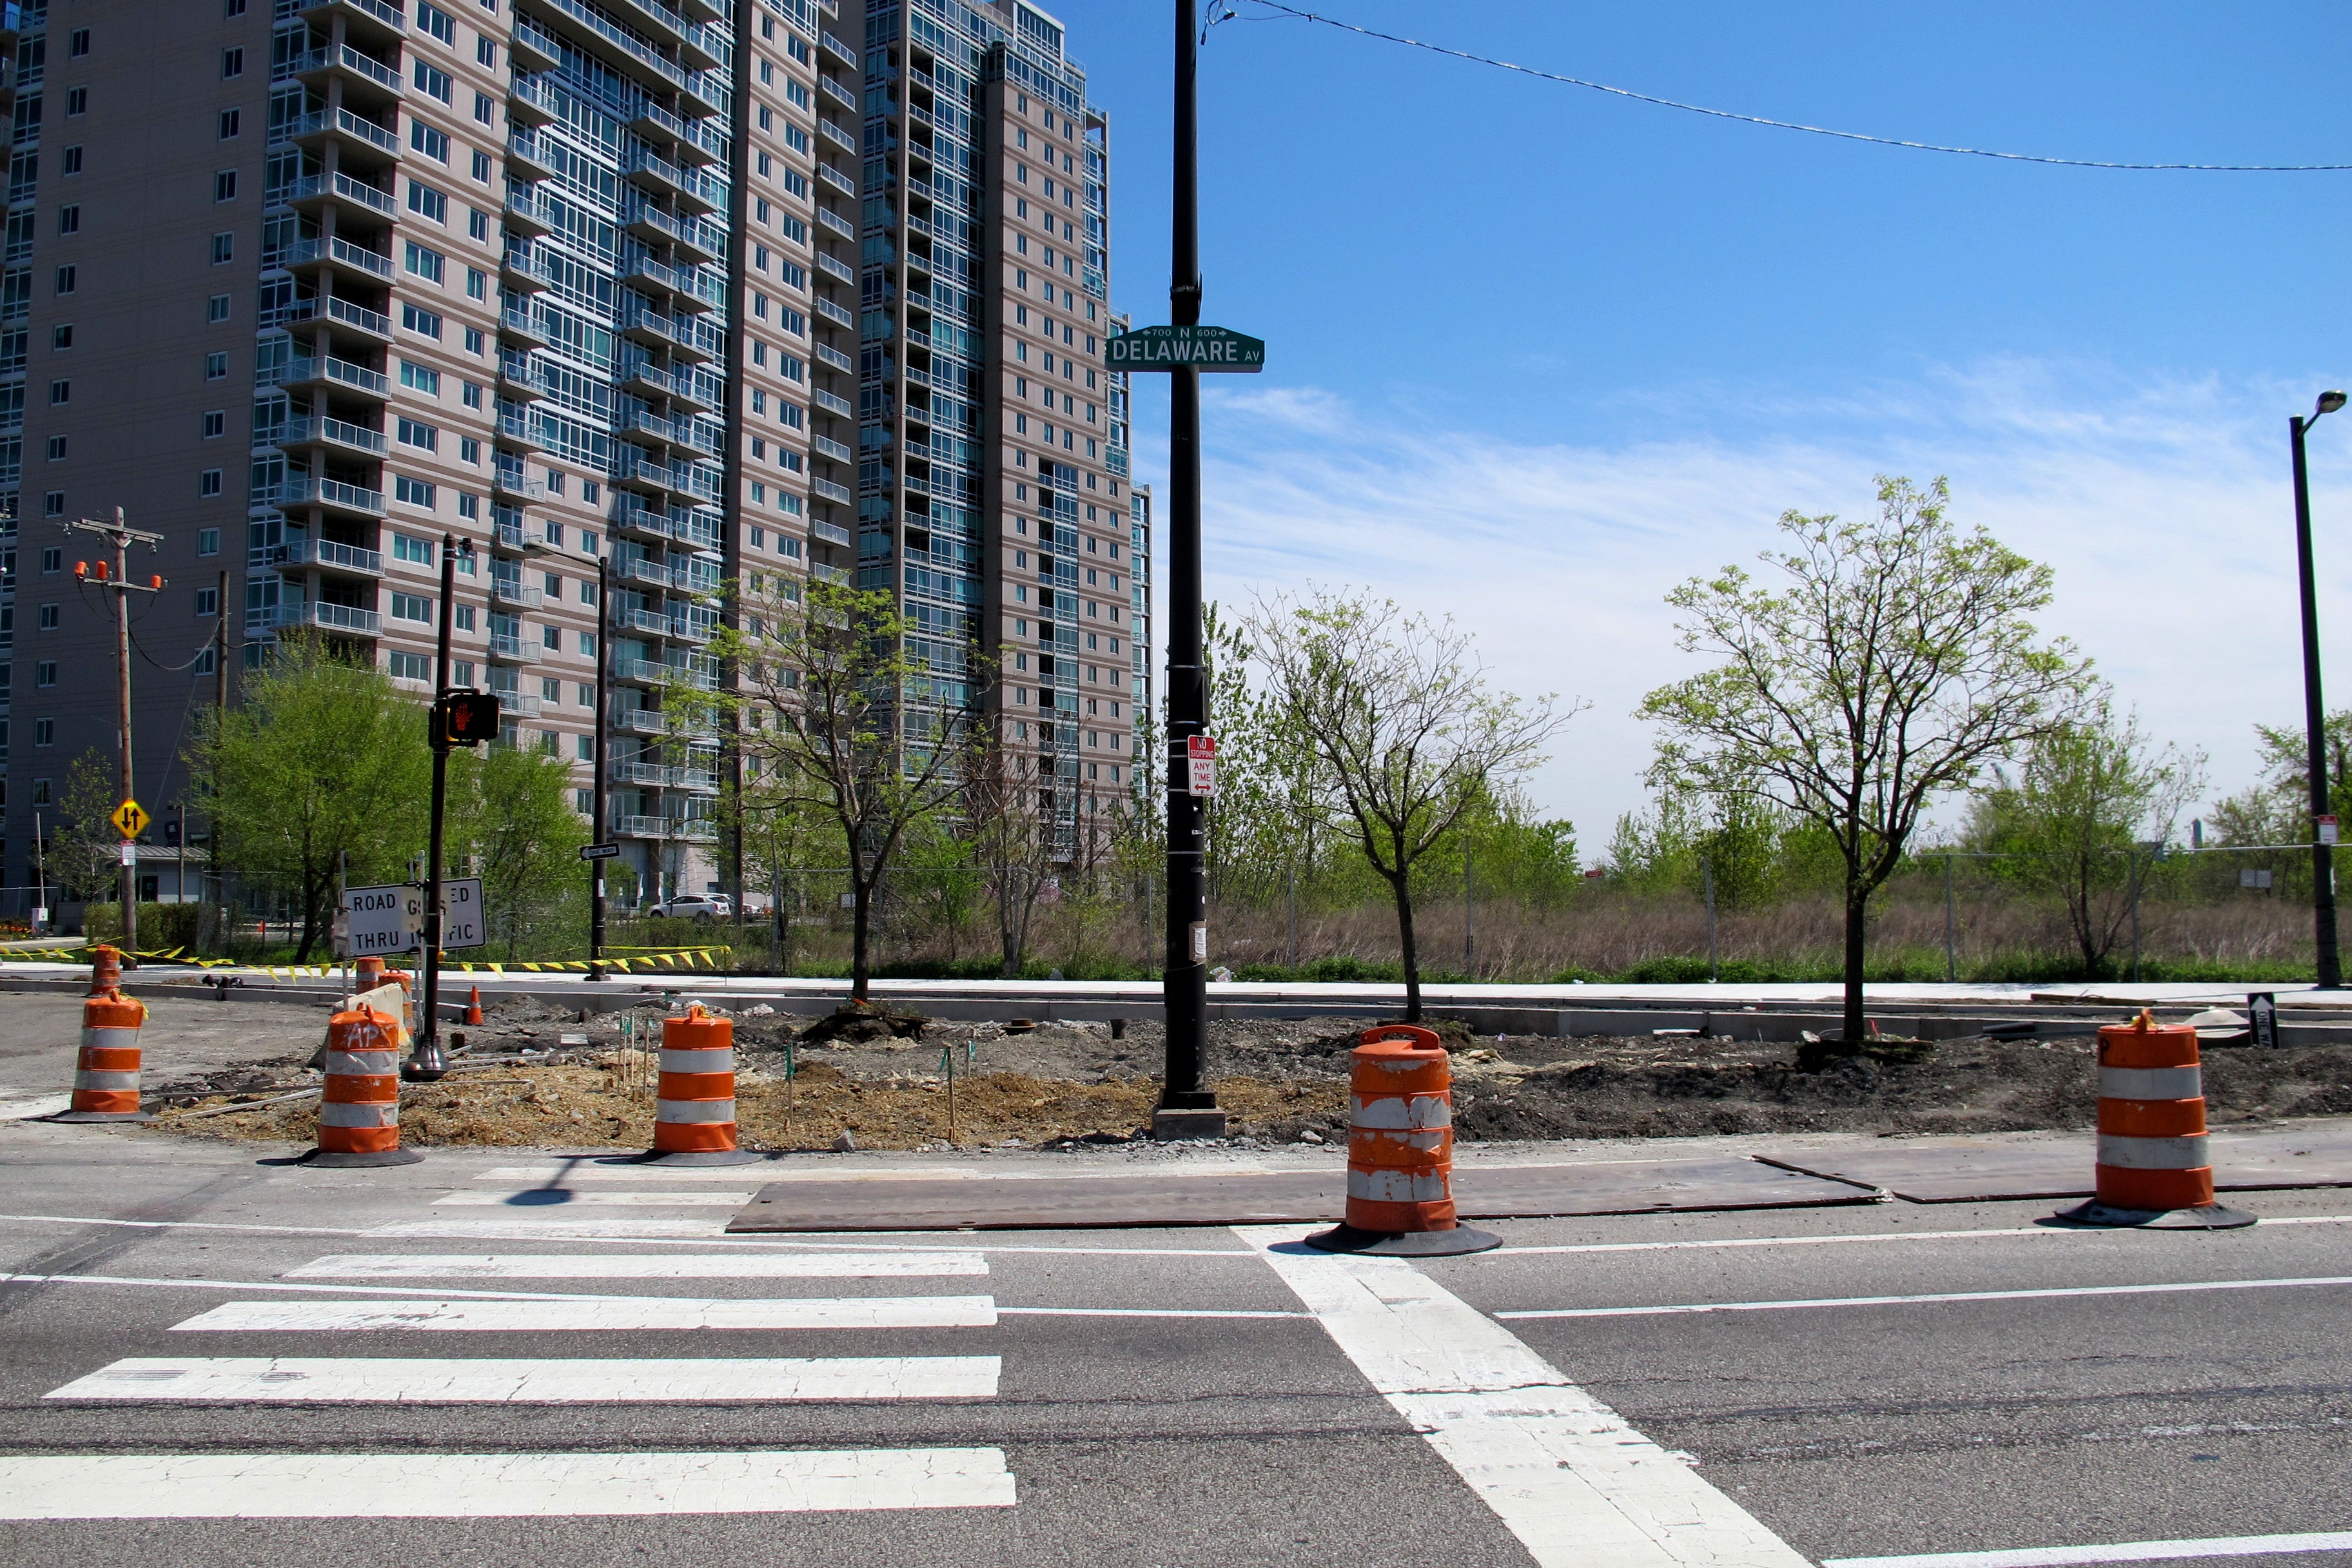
(1536, 354)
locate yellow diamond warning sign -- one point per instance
(130, 819)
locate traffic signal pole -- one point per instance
(426, 1063)
(603, 720)
(1187, 1108)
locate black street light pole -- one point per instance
(426, 1063)
(1187, 1109)
(2315, 716)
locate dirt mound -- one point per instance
(859, 1024)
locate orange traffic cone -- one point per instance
(474, 1006)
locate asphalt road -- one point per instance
(1154, 1397)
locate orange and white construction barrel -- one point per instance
(359, 1113)
(2155, 1164)
(1400, 1150)
(694, 1105)
(106, 1072)
(105, 970)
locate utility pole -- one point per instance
(122, 536)
(597, 794)
(426, 1063)
(1187, 1108)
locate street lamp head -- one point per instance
(2329, 402)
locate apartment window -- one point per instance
(232, 63)
(45, 731)
(208, 483)
(232, 122)
(71, 163)
(464, 619)
(424, 138)
(422, 378)
(69, 218)
(423, 323)
(486, 53)
(78, 98)
(767, 70)
(469, 507)
(482, 167)
(216, 367)
(762, 209)
(469, 450)
(437, 21)
(586, 694)
(225, 185)
(48, 617)
(208, 541)
(584, 748)
(555, 487)
(412, 607)
(470, 392)
(408, 547)
(425, 199)
(583, 801)
(224, 248)
(53, 504)
(482, 108)
(414, 492)
(66, 277)
(208, 601)
(767, 119)
(588, 645)
(478, 223)
(767, 166)
(550, 640)
(215, 424)
(41, 792)
(478, 283)
(425, 263)
(77, 42)
(216, 309)
(45, 672)
(414, 433)
(56, 449)
(474, 342)
(409, 666)
(60, 391)
(53, 558)
(435, 82)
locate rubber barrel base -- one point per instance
(337, 1160)
(696, 1157)
(1448, 1243)
(2205, 1216)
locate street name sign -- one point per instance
(1181, 347)
(599, 851)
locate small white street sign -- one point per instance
(1201, 766)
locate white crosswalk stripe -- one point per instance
(280, 1379)
(675, 1266)
(678, 1313)
(564, 1197)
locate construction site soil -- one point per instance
(531, 1076)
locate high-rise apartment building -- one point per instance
(689, 289)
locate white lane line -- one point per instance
(564, 1198)
(1873, 1237)
(667, 1313)
(674, 1266)
(619, 1171)
(26, 1110)
(292, 1380)
(1578, 1485)
(1136, 1312)
(1921, 1299)
(493, 1485)
(2124, 1551)
(518, 1230)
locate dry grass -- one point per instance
(596, 1105)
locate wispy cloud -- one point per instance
(2162, 506)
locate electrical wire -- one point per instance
(1230, 15)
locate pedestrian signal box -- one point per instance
(469, 718)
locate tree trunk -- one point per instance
(1857, 909)
(1008, 933)
(1402, 889)
(310, 898)
(861, 967)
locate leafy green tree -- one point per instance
(2074, 820)
(511, 811)
(326, 759)
(847, 726)
(1403, 725)
(1895, 664)
(2278, 810)
(84, 849)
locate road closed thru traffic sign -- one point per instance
(381, 920)
(1182, 348)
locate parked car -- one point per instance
(695, 906)
(758, 906)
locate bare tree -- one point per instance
(846, 723)
(1896, 665)
(1011, 841)
(1397, 710)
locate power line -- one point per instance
(1773, 124)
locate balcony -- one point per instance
(826, 446)
(649, 773)
(518, 324)
(840, 182)
(651, 574)
(347, 64)
(653, 623)
(829, 532)
(837, 49)
(513, 536)
(513, 702)
(340, 314)
(328, 618)
(516, 431)
(515, 650)
(532, 48)
(317, 254)
(372, 20)
(333, 495)
(515, 374)
(338, 433)
(326, 371)
(348, 197)
(640, 826)
(527, 215)
(834, 404)
(518, 272)
(827, 218)
(512, 591)
(345, 130)
(837, 136)
(528, 103)
(641, 722)
(596, 36)
(509, 481)
(526, 161)
(834, 313)
(327, 555)
(630, 515)
(840, 272)
(843, 96)
(828, 490)
(835, 359)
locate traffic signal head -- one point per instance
(470, 718)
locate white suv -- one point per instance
(695, 906)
